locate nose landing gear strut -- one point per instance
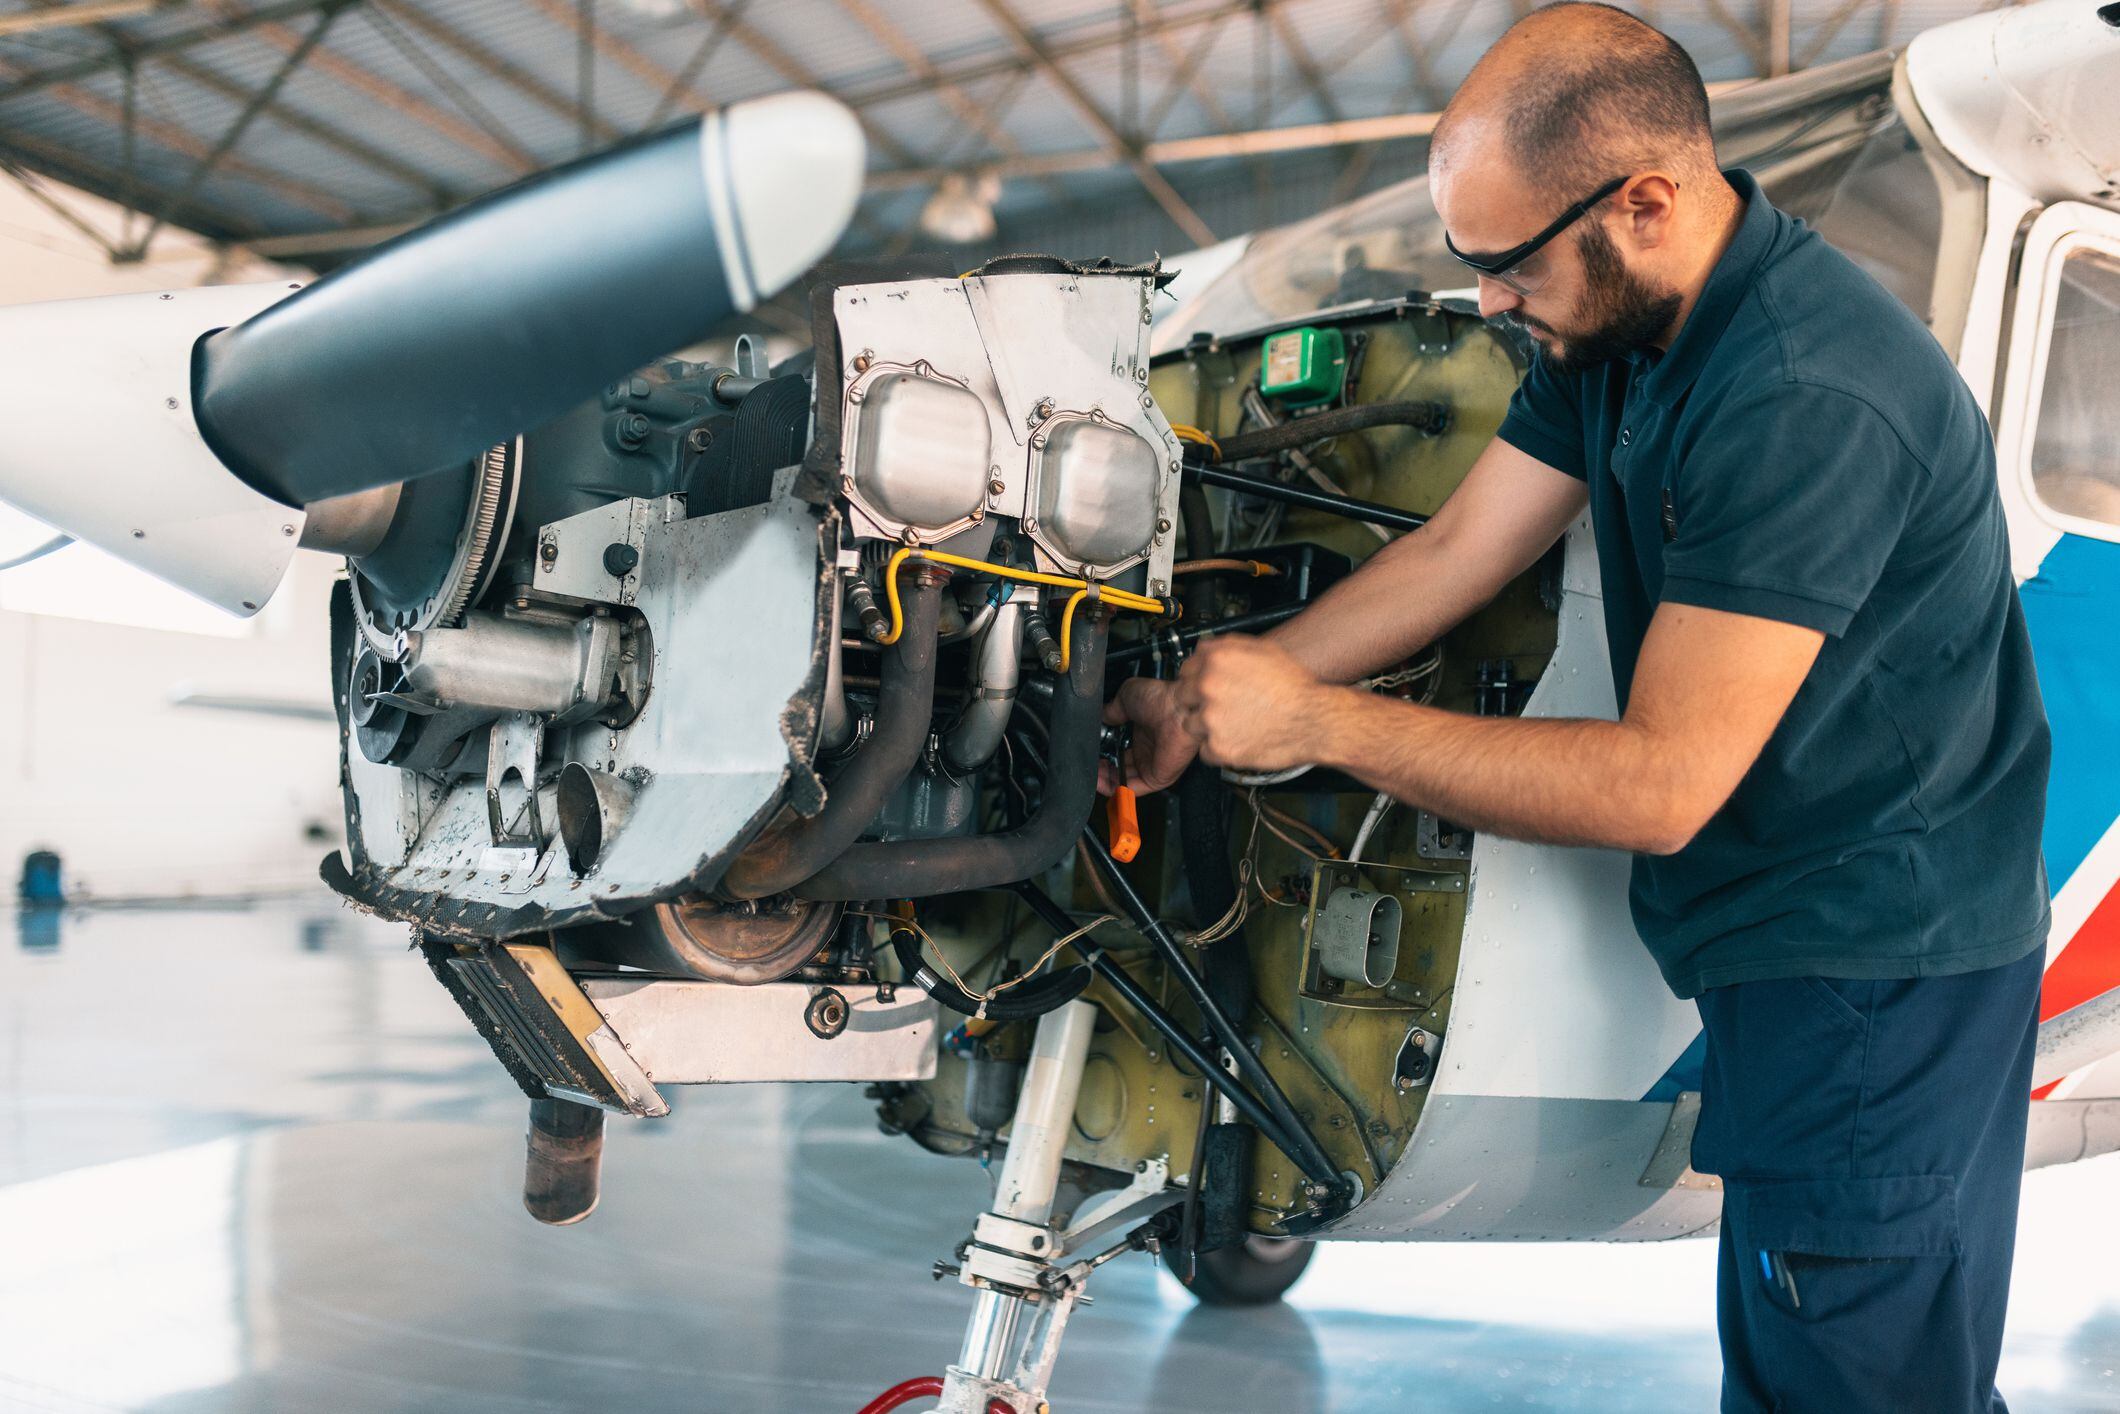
(1028, 1275)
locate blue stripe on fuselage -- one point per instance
(2072, 609)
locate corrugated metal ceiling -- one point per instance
(405, 107)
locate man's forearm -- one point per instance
(1401, 599)
(1554, 780)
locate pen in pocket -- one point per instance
(1775, 1267)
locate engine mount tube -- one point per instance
(1138, 997)
(1368, 512)
(857, 794)
(923, 868)
(1308, 1154)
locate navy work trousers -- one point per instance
(1870, 1139)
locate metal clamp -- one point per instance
(513, 749)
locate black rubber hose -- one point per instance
(1236, 623)
(1308, 1154)
(1430, 418)
(1181, 1041)
(905, 702)
(1194, 591)
(924, 868)
(1020, 1003)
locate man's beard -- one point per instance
(1625, 312)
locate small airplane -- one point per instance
(717, 724)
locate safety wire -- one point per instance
(1262, 816)
(1428, 671)
(934, 949)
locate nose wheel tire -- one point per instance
(1256, 1272)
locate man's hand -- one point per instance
(1161, 748)
(1240, 702)
(1250, 704)
(1709, 690)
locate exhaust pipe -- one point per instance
(919, 868)
(563, 1170)
(593, 806)
(996, 669)
(857, 794)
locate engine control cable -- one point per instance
(1237, 623)
(1347, 507)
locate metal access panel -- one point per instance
(710, 1033)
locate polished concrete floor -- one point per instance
(253, 1159)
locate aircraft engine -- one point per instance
(719, 720)
(692, 667)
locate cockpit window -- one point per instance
(2075, 463)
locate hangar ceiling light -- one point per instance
(961, 211)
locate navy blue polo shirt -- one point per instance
(1805, 452)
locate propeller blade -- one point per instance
(57, 542)
(497, 317)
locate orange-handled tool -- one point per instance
(1123, 820)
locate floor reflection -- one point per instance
(254, 1160)
(38, 927)
(1271, 1354)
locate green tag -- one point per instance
(1303, 367)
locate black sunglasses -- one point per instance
(1497, 266)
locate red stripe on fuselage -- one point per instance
(2088, 966)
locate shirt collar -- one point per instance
(1728, 284)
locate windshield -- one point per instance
(1375, 248)
(1825, 146)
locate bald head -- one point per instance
(1574, 95)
